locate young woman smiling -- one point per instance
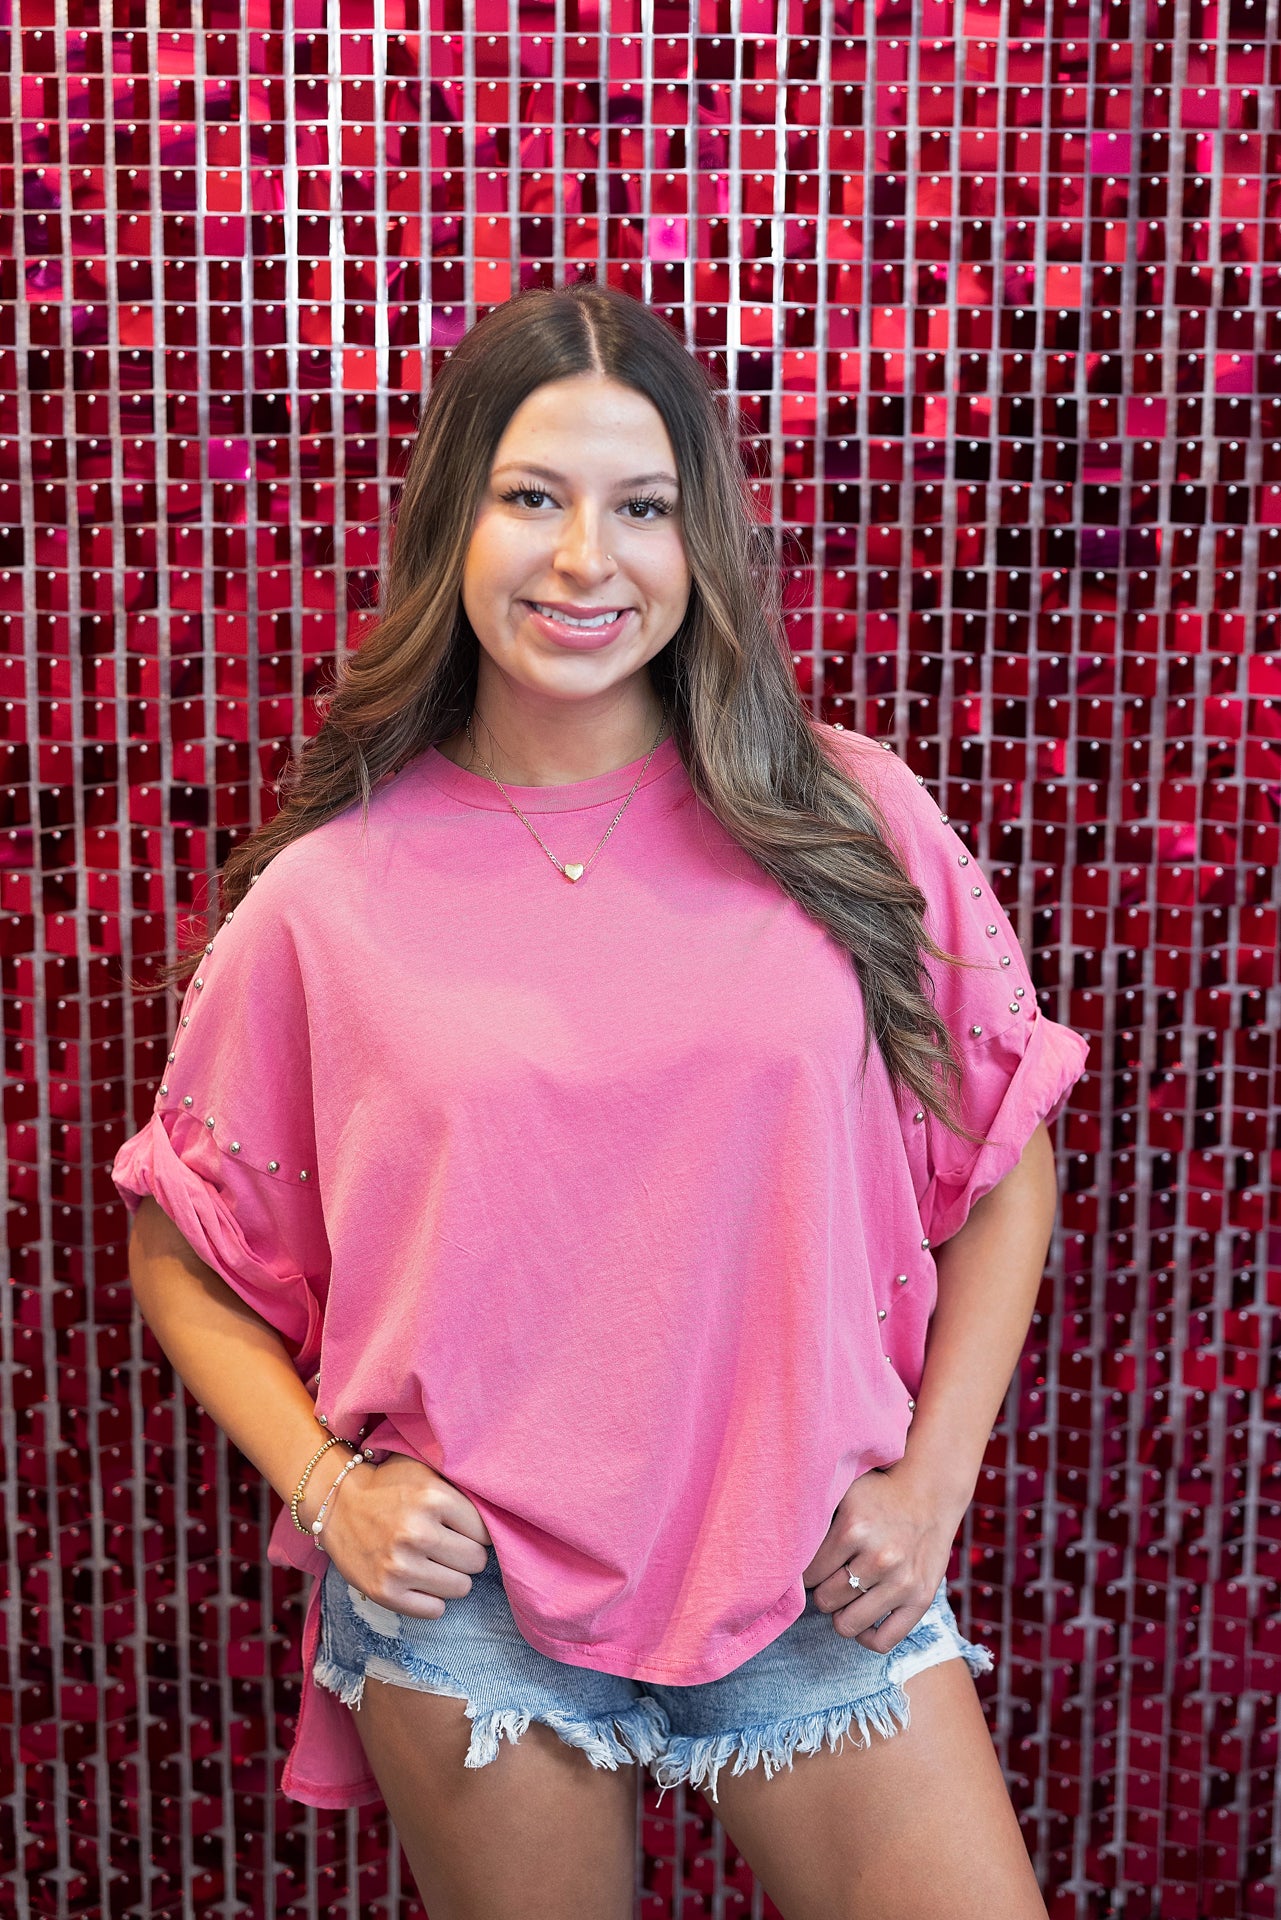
(602, 1180)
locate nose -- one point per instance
(581, 551)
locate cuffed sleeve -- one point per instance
(1018, 1066)
(229, 1152)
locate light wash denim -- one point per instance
(805, 1687)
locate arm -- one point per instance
(234, 1364)
(404, 1534)
(898, 1525)
(989, 1274)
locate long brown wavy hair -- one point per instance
(751, 751)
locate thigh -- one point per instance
(538, 1833)
(903, 1829)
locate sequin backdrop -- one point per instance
(997, 289)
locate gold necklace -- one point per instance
(575, 869)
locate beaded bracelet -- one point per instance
(333, 1441)
(357, 1460)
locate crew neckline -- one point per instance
(478, 790)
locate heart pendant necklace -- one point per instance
(572, 869)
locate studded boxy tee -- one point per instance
(574, 1191)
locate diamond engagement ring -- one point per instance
(854, 1580)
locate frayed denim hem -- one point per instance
(699, 1759)
(641, 1733)
(642, 1729)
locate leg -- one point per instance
(537, 1834)
(914, 1826)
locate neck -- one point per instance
(527, 757)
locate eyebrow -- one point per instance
(548, 473)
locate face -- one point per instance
(576, 573)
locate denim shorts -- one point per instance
(805, 1687)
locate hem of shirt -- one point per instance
(603, 1656)
(328, 1794)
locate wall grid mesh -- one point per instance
(995, 286)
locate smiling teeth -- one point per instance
(572, 620)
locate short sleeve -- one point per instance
(1018, 1066)
(229, 1152)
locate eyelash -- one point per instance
(661, 507)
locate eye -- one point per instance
(642, 509)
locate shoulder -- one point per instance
(902, 796)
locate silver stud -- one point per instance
(1019, 992)
(304, 1175)
(273, 1166)
(912, 1406)
(1014, 1006)
(235, 1146)
(209, 1120)
(200, 983)
(230, 916)
(925, 1246)
(186, 1019)
(187, 1100)
(1005, 959)
(920, 779)
(880, 1313)
(976, 1031)
(169, 1056)
(943, 818)
(253, 878)
(992, 930)
(323, 1419)
(209, 948)
(918, 1115)
(900, 1279)
(977, 892)
(164, 1089)
(962, 859)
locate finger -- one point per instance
(860, 1613)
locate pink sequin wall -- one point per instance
(996, 288)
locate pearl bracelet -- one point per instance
(334, 1440)
(358, 1459)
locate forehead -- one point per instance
(587, 416)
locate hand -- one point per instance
(405, 1537)
(898, 1535)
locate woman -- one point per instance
(595, 1120)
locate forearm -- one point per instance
(231, 1361)
(988, 1277)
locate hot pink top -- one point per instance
(575, 1189)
